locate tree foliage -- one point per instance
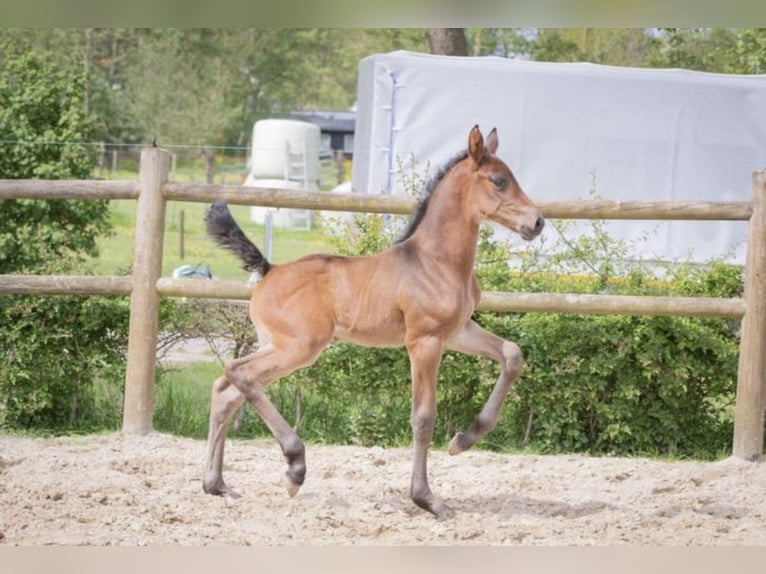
(42, 125)
(53, 350)
(187, 86)
(176, 88)
(41, 103)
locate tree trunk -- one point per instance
(447, 41)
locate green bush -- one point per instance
(62, 357)
(352, 396)
(621, 385)
(63, 362)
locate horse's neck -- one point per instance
(447, 234)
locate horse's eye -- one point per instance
(499, 182)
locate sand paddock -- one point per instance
(125, 490)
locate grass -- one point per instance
(182, 403)
(182, 399)
(116, 251)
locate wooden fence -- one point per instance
(145, 286)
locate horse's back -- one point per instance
(347, 298)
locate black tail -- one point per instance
(222, 228)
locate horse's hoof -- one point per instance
(230, 494)
(443, 512)
(292, 488)
(456, 445)
(219, 488)
(434, 505)
(440, 510)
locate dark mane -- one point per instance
(420, 210)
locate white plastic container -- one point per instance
(281, 217)
(286, 149)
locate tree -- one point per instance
(705, 49)
(42, 125)
(749, 51)
(610, 46)
(552, 46)
(177, 87)
(375, 40)
(100, 55)
(53, 350)
(274, 71)
(447, 41)
(208, 86)
(722, 50)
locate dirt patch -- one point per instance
(120, 490)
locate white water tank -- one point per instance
(281, 217)
(286, 150)
(284, 155)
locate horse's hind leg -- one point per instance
(224, 401)
(252, 375)
(474, 340)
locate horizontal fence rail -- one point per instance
(145, 285)
(65, 285)
(496, 301)
(611, 304)
(403, 205)
(67, 189)
(667, 210)
(364, 203)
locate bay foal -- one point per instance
(420, 293)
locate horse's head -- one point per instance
(495, 195)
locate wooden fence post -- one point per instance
(751, 380)
(138, 408)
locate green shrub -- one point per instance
(63, 362)
(621, 385)
(62, 357)
(352, 396)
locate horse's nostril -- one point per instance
(539, 224)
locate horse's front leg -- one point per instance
(473, 340)
(425, 356)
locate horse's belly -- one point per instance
(387, 332)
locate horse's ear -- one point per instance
(492, 141)
(476, 144)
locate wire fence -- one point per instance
(121, 158)
(221, 164)
(102, 144)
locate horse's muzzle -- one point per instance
(528, 233)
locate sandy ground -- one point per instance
(120, 490)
